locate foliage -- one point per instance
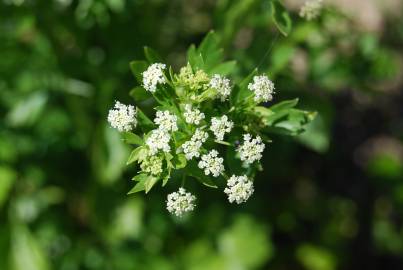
(191, 101)
(330, 198)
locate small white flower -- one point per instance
(222, 85)
(166, 121)
(193, 116)
(158, 140)
(239, 189)
(211, 163)
(153, 76)
(200, 135)
(180, 202)
(122, 117)
(152, 165)
(251, 150)
(220, 126)
(191, 149)
(262, 87)
(311, 9)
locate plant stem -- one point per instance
(183, 180)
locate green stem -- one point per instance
(183, 180)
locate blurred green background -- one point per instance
(331, 198)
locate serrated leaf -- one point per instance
(209, 44)
(194, 58)
(149, 183)
(152, 56)
(137, 188)
(137, 68)
(289, 122)
(131, 138)
(165, 179)
(141, 177)
(137, 154)
(262, 111)
(281, 18)
(210, 51)
(168, 158)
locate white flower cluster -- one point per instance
(183, 114)
(222, 85)
(220, 126)
(153, 76)
(311, 9)
(122, 117)
(251, 150)
(166, 121)
(191, 148)
(180, 202)
(262, 87)
(239, 189)
(211, 163)
(193, 116)
(152, 165)
(158, 140)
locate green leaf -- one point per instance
(262, 111)
(150, 182)
(225, 68)
(165, 179)
(168, 158)
(284, 105)
(141, 177)
(209, 44)
(137, 188)
(152, 56)
(316, 135)
(137, 154)
(194, 58)
(210, 51)
(139, 94)
(289, 122)
(131, 138)
(281, 18)
(210, 93)
(137, 68)
(180, 161)
(145, 182)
